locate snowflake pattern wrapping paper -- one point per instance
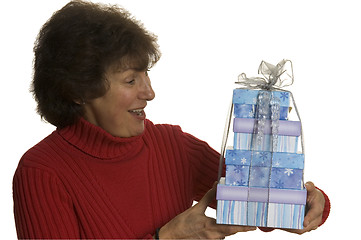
(261, 187)
(248, 96)
(286, 170)
(249, 111)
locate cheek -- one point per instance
(119, 106)
(122, 102)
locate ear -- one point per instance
(79, 101)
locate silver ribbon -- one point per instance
(274, 76)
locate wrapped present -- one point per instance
(287, 139)
(249, 96)
(256, 194)
(276, 215)
(287, 128)
(249, 111)
(267, 169)
(245, 101)
(245, 141)
(265, 207)
(263, 185)
(263, 158)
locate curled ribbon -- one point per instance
(274, 76)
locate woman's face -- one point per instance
(121, 110)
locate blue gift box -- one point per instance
(249, 111)
(263, 158)
(283, 178)
(248, 96)
(264, 169)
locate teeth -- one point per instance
(137, 111)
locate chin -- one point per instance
(137, 131)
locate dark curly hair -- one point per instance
(75, 48)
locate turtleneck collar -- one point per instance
(98, 143)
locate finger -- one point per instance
(228, 231)
(233, 229)
(313, 215)
(207, 198)
(310, 187)
(310, 227)
(297, 231)
(315, 205)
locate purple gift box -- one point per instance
(247, 125)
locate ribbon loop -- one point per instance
(274, 76)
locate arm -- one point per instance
(205, 163)
(194, 224)
(42, 207)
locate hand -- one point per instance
(315, 204)
(194, 224)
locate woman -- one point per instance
(107, 171)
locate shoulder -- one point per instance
(44, 154)
(170, 132)
(163, 129)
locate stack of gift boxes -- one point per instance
(263, 185)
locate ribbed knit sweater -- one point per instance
(81, 182)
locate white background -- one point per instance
(205, 45)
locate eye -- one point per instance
(131, 82)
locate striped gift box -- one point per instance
(244, 141)
(263, 207)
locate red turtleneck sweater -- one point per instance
(81, 182)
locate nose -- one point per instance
(146, 90)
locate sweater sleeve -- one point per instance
(204, 162)
(42, 207)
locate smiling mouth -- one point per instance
(138, 112)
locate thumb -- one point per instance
(207, 198)
(310, 187)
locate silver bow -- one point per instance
(274, 77)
